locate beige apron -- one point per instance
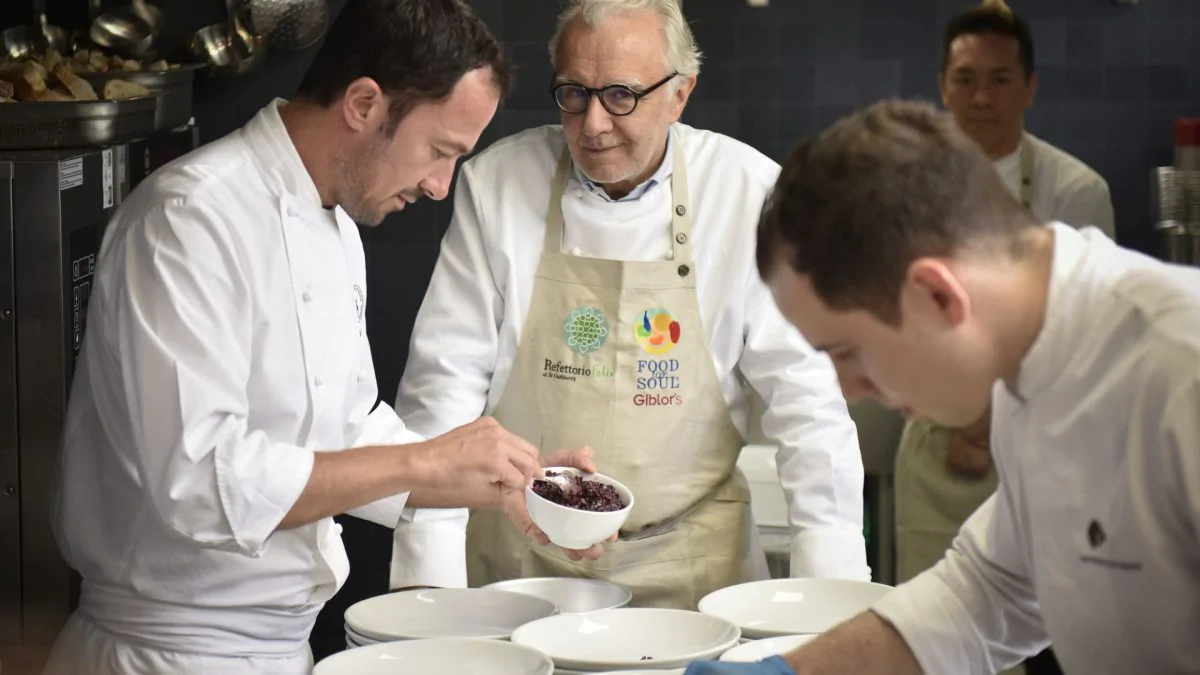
(614, 355)
(933, 502)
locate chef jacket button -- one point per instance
(670, 254)
(575, 251)
(337, 528)
(681, 238)
(681, 210)
(318, 380)
(293, 212)
(684, 270)
(362, 374)
(306, 296)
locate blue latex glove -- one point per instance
(772, 666)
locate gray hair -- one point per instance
(683, 55)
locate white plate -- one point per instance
(570, 595)
(618, 639)
(778, 607)
(757, 650)
(445, 613)
(669, 671)
(422, 657)
(362, 640)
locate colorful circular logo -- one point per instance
(585, 330)
(656, 331)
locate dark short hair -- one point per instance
(854, 207)
(989, 20)
(416, 50)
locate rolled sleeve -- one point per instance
(183, 321)
(975, 611)
(372, 422)
(820, 465)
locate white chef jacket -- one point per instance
(226, 345)
(479, 297)
(1092, 540)
(1064, 188)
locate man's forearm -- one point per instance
(865, 645)
(346, 480)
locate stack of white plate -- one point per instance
(628, 640)
(441, 613)
(424, 657)
(570, 595)
(779, 607)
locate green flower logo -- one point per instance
(585, 330)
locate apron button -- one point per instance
(681, 210)
(684, 270)
(681, 237)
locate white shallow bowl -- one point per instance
(574, 529)
(668, 671)
(776, 607)
(757, 650)
(425, 657)
(673, 671)
(570, 595)
(362, 640)
(618, 639)
(444, 613)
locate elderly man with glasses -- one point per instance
(597, 287)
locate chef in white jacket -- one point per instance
(598, 284)
(988, 80)
(226, 365)
(1089, 355)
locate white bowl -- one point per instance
(669, 671)
(361, 640)
(444, 613)
(672, 671)
(574, 529)
(776, 607)
(419, 657)
(620, 639)
(570, 595)
(757, 650)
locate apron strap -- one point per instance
(1026, 175)
(681, 216)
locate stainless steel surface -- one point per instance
(130, 30)
(10, 499)
(173, 87)
(1173, 194)
(76, 123)
(1174, 243)
(24, 41)
(229, 48)
(61, 201)
(286, 24)
(570, 595)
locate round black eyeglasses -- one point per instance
(617, 99)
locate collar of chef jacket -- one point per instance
(661, 176)
(1054, 344)
(280, 164)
